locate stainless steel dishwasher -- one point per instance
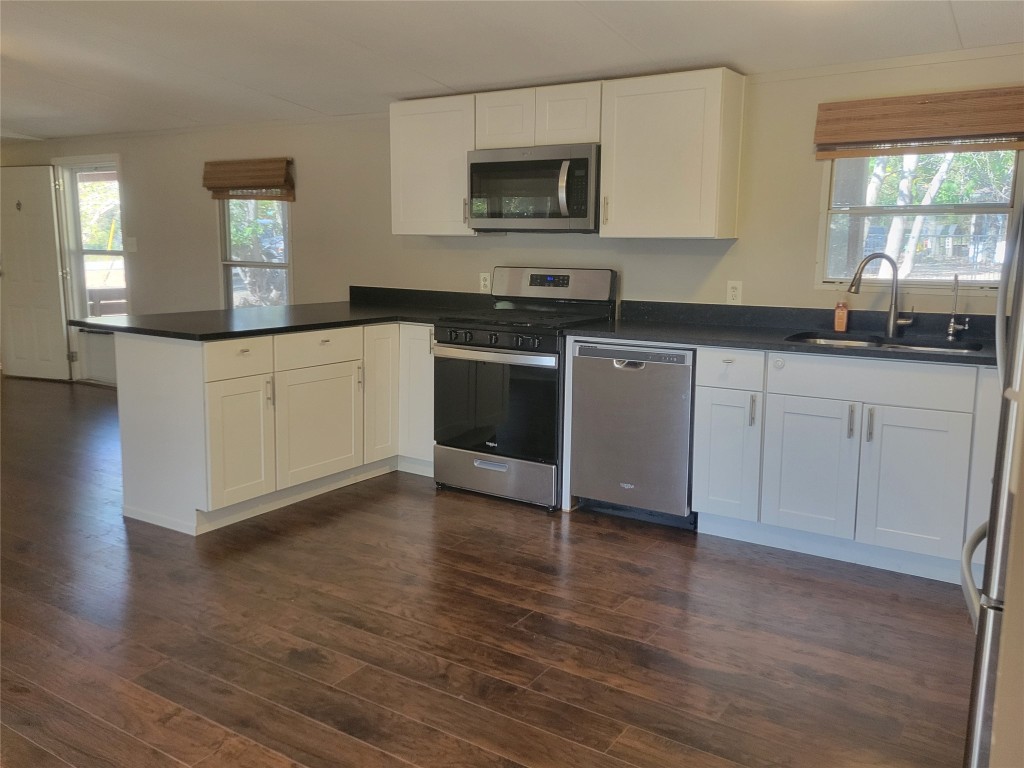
(631, 414)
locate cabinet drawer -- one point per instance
(234, 358)
(331, 345)
(937, 386)
(730, 368)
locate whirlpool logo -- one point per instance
(627, 486)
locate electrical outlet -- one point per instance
(485, 282)
(734, 292)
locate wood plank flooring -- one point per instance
(388, 624)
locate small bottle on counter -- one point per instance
(842, 314)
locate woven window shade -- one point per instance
(262, 179)
(936, 122)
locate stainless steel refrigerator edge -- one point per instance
(996, 720)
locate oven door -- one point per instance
(496, 422)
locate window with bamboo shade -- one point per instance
(930, 180)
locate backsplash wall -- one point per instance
(341, 221)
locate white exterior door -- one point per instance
(319, 421)
(727, 452)
(913, 479)
(34, 337)
(811, 456)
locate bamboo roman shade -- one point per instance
(936, 122)
(261, 179)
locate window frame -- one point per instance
(910, 285)
(227, 264)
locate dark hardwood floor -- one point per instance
(388, 624)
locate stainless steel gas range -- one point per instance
(499, 381)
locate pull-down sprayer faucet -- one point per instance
(892, 320)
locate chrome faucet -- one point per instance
(892, 321)
(954, 326)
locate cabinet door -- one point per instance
(811, 456)
(319, 421)
(569, 114)
(669, 147)
(506, 118)
(240, 439)
(380, 392)
(429, 141)
(416, 388)
(727, 452)
(913, 479)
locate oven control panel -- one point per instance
(497, 339)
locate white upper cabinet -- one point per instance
(429, 142)
(670, 147)
(569, 114)
(506, 118)
(528, 117)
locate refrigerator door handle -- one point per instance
(971, 592)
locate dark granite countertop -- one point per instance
(763, 328)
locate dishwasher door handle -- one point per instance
(632, 365)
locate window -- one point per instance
(930, 180)
(94, 238)
(256, 263)
(254, 196)
(938, 215)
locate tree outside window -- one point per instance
(938, 215)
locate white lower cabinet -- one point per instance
(240, 439)
(891, 470)
(727, 453)
(914, 467)
(811, 449)
(416, 393)
(381, 360)
(319, 418)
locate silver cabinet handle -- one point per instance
(563, 180)
(244, 351)
(604, 211)
(753, 409)
(849, 422)
(432, 341)
(325, 341)
(465, 210)
(728, 361)
(871, 426)
(268, 386)
(359, 376)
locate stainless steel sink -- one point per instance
(826, 339)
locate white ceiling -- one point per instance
(81, 68)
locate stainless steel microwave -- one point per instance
(534, 189)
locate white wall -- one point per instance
(341, 222)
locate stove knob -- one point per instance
(493, 338)
(468, 337)
(453, 335)
(519, 341)
(535, 342)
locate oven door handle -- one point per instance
(531, 359)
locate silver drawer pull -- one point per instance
(871, 425)
(753, 409)
(495, 466)
(325, 341)
(849, 422)
(728, 361)
(244, 351)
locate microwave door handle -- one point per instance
(563, 180)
